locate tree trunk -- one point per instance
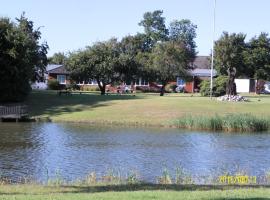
(231, 86)
(162, 90)
(102, 87)
(103, 90)
(259, 86)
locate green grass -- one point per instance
(35, 192)
(142, 109)
(230, 123)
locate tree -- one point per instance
(22, 58)
(58, 58)
(169, 60)
(229, 58)
(154, 27)
(257, 58)
(98, 62)
(184, 31)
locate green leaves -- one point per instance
(22, 58)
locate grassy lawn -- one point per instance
(33, 192)
(148, 109)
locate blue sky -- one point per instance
(70, 24)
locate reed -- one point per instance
(229, 123)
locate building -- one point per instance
(200, 71)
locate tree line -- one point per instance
(159, 54)
(236, 58)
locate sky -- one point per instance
(68, 25)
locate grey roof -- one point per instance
(58, 70)
(201, 62)
(202, 72)
(52, 66)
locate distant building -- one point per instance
(201, 71)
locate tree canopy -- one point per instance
(22, 58)
(229, 57)
(169, 60)
(57, 58)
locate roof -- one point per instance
(60, 69)
(202, 62)
(202, 72)
(52, 66)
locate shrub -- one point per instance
(90, 88)
(53, 84)
(72, 86)
(219, 86)
(146, 89)
(170, 87)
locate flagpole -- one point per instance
(213, 43)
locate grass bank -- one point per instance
(141, 110)
(229, 123)
(36, 192)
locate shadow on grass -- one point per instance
(140, 187)
(152, 187)
(51, 104)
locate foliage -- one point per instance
(219, 86)
(22, 58)
(230, 123)
(53, 84)
(170, 87)
(184, 32)
(169, 60)
(154, 27)
(98, 62)
(58, 58)
(257, 58)
(148, 89)
(229, 58)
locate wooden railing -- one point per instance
(13, 111)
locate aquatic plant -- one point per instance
(229, 123)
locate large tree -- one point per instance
(169, 60)
(257, 58)
(22, 58)
(154, 27)
(98, 62)
(229, 58)
(184, 31)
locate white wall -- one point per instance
(242, 85)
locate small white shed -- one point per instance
(242, 85)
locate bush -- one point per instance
(53, 84)
(90, 88)
(219, 86)
(170, 87)
(146, 89)
(72, 86)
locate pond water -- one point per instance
(39, 150)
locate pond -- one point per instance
(40, 150)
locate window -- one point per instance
(61, 79)
(142, 82)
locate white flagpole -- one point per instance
(213, 43)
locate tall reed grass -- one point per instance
(230, 123)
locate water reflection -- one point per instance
(77, 149)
